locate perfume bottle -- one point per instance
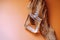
(37, 20)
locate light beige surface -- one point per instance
(13, 14)
(12, 18)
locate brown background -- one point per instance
(13, 14)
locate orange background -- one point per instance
(13, 14)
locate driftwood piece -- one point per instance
(37, 20)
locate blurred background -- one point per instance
(13, 14)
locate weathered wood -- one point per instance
(38, 17)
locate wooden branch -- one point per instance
(38, 17)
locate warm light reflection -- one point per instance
(13, 14)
